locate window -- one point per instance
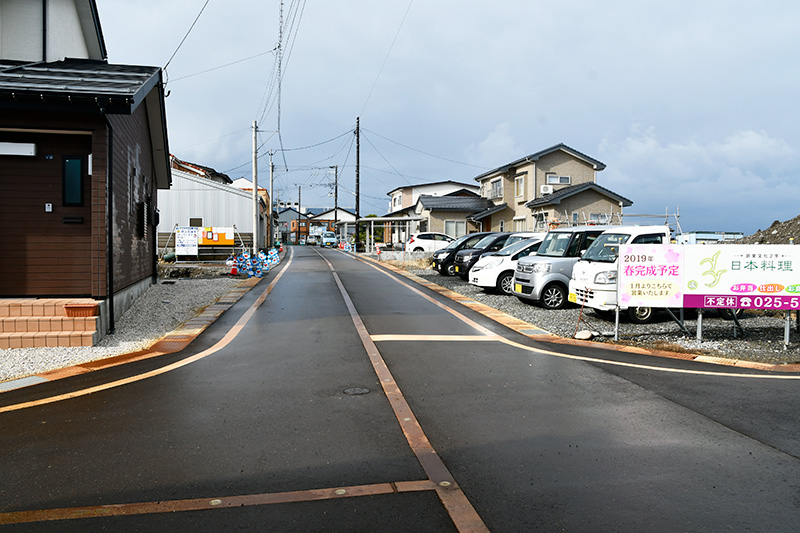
(496, 189)
(553, 179)
(455, 228)
(72, 184)
(196, 222)
(574, 219)
(502, 226)
(656, 238)
(519, 185)
(600, 218)
(520, 225)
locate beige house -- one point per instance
(556, 186)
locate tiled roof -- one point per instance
(487, 212)
(455, 203)
(566, 192)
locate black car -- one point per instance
(443, 259)
(467, 257)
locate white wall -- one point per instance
(194, 197)
(21, 31)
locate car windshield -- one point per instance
(555, 244)
(485, 242)
(516, 238)
(605, 248)
(453, 245)
(511, 249)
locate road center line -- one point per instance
(461, 511)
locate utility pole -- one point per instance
(271, 201)
(255, 189)
(358, 176)
(335, 195)
(298, 214)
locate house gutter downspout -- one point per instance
(110, 227)
(44, 31)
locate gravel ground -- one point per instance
(762, 340)
(163, 308)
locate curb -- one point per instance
(536, 333)
(174, 341)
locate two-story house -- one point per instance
(555, 186)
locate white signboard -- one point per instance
(760, 276)
(186, 239)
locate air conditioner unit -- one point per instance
(546, 189)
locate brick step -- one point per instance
(47, 340)
(47, 324)
(38, 307)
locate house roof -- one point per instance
(331, 210)
(455, 203)
(207, 172)
(596, 165)
(566, 192)
(82, 85)
(446, 182)
(90, 24)
(91, 87)
(487, 212)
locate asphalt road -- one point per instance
(342, 397)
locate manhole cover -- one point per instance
(356, 391)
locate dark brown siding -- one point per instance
(134, 258)
(43, 253)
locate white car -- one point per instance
(496, 271)
(428, 241)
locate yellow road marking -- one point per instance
(222, 343)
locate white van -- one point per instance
(594, 276)
(328, 239)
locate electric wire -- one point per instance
(423, 152)
(222, 66)
(385, 59)
(187, 35)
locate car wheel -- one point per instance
(449, 269)
(640, 315)
(505, 282)
(553, 297)
(417, 249)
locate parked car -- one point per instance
(328, 239)
(496, 271)
(544, 277)
(467, 257)
(524, 236)
(312, 240)
(428, 241)
(594, 278)
(443, 259)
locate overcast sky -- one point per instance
(692, 105)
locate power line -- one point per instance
(187, 34)
(425, 153)
(223, 66)
(385, 59)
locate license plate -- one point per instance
(573, 297)
(458, 269)
(517, 287)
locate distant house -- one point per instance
(404, 206)
(449, 214)
(404, 197)
(292, 226)
(202, 197)
(552, 187)
(83, 151)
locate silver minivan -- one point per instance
(544, 277)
